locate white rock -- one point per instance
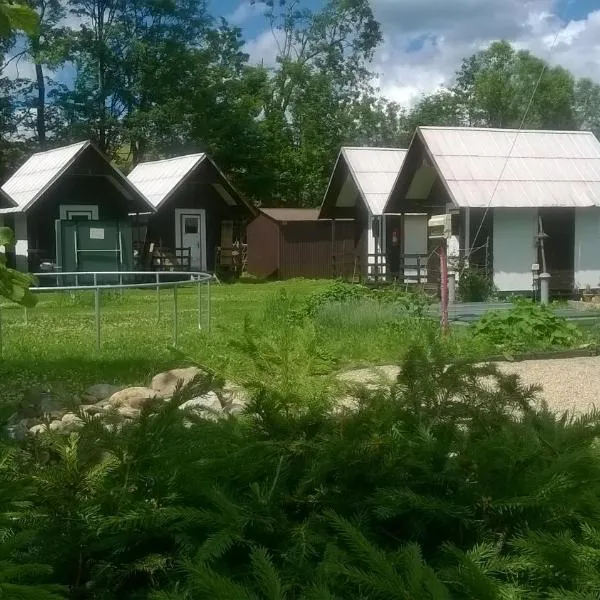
(92, 409)
(164, 384)
(235, 396)
(128, 412)
(235, 407)
(72, 418)
(134, 397)
(57, 426)
(37, 429)
(206, 405)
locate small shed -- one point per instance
(511, 189)
(200, 219)
(359, 189)
(71, 183)
(293, 242)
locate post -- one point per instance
(209, 293)
(97, 315)
(467, 235)
(25, 315)
(444, 285)
(199, 300)
(545, 288)
(157, 296)
(451, 287)
(0, 331)
(175, 315)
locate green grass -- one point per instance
(53, 345)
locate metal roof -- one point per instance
(292, 214)
(41, 170)
(38, 173)
(374, 171)
(158, 179)
(512, 168)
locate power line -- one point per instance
(519, 130)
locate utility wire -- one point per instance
(512, 147)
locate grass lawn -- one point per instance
(53, 345)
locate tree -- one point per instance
(316, 92)
(16, 17)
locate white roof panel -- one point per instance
(158, 179)
(374, 171)
(535, 168)
(39, 172)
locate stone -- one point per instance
(372, 378)
(164, 384)
(128, 412)
(234, 394)
(207, 405)
(57, 426)
(51, 407)
(93, 409)
(101, 391)
(235, 407)
(72, 420)
(134, 397)
(37, 429)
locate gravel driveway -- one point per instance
(571, 384)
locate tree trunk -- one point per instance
(40, 121)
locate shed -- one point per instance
(200, 218)
(508, 186)
(359, 189)
(293, 242)
(76, 182)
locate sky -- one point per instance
(425, 40)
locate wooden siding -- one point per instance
(311, 249)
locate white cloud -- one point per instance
(246, 11)
(457, 29)
(263, 48)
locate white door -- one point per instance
(79, 212)
(190, 233)
(415, 242)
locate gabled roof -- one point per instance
(158, 180)
(374, 172)
(292, 214)
(512, 168)
(6, 201)
(43, 169)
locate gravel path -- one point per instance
(568, 383)
(571, 384)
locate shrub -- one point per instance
(439, 487)
(526, 326)
(474, 285)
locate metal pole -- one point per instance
(97, 313)
(208, 291)
(451, 288)
(199, 307)
(157, 296)
(0, 331)
(545, 288)
(175, 315)
(444, 286)
(25, 315)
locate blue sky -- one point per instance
(425, 40)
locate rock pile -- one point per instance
(124, 403)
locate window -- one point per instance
(190, 225)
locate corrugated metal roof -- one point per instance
(157, 180)
(39, 172)
(374, 171)
(292, 214)
(543, 169)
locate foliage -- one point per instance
(526, 326)
(474, 285)
(439, 487)
(14, 286)
(339, 292)
(16, 17)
